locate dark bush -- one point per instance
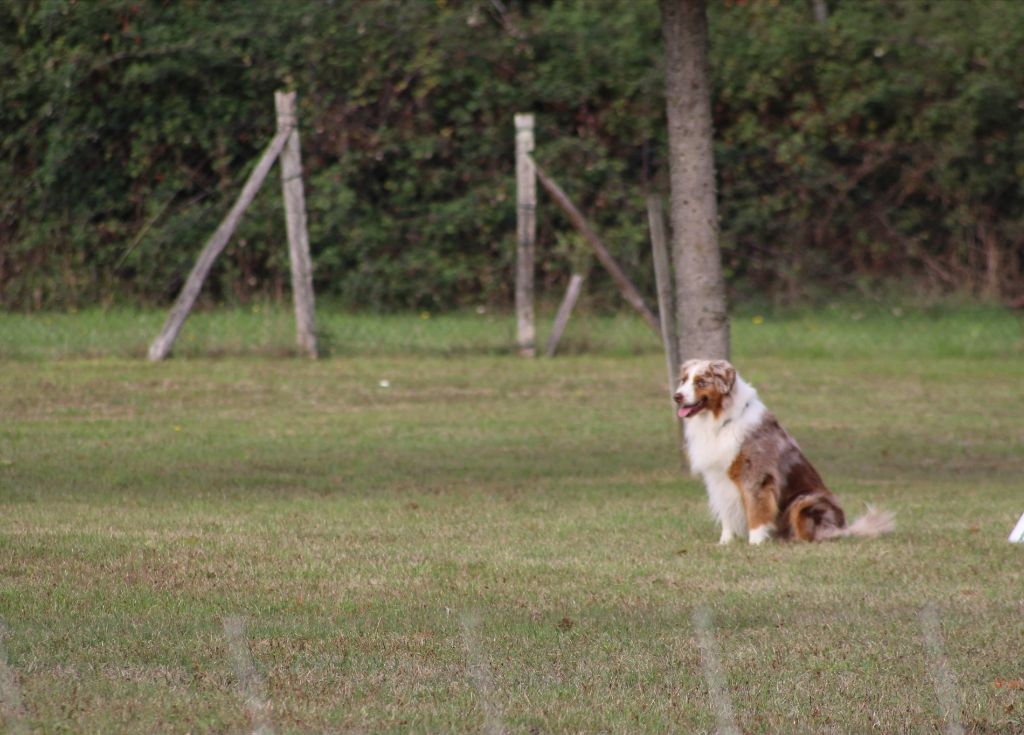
(882, 145)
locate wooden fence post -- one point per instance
(820, 11)
(663, 279)
(295, 217)
(526, 234)
(667, 311)
(572, 294)
(629, 291)
(162, 345)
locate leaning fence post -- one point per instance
(526, 234)
(572, 294)
(629, 291)
(190, 291)
(295, 217)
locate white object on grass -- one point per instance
(385, 383)
(1017, 534)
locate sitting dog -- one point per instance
(758, 481)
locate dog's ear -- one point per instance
(724, 375)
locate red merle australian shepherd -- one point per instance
(759, 483)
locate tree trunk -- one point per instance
(702, 318)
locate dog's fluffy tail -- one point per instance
(873, 523)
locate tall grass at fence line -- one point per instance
(267, 329)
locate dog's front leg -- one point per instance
(761, 505)
(726, 506)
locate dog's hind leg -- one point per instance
(815, 518)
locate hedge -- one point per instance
(883, 145)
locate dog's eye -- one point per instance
(699, 383)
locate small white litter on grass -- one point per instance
(1017, 534)
(384, 383)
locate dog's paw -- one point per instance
(760, 534)
(726, 537)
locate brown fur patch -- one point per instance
(723, 375)
(779, 486)
(812, 517)
(713, 400)
(795, 525)
(760, 498)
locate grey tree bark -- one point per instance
(702, 318)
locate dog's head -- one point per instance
(703, 384)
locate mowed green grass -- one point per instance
(496, 542)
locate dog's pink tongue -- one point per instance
(683, 412)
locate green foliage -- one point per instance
(885, 140)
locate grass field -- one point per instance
(237, 538)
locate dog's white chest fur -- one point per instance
(712, 444)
